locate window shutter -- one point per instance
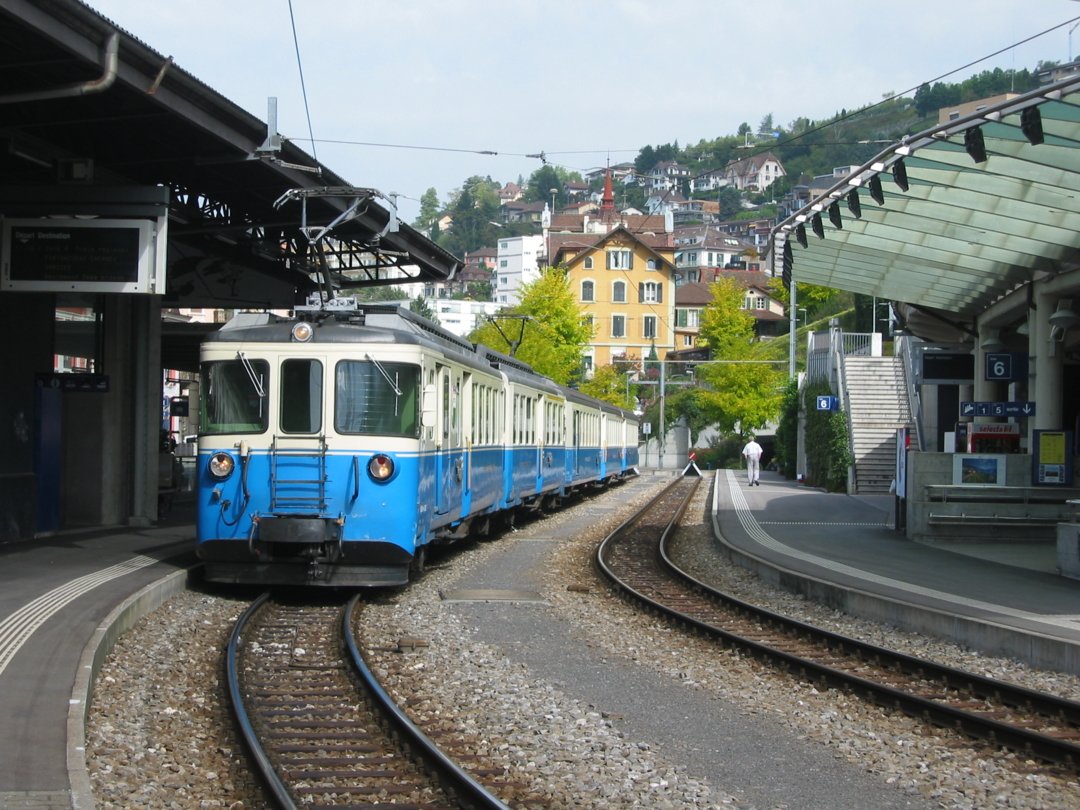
(629, 260)
(641, 292)
(659, 293)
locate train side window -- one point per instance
(301, 396)
(445, 405)
(431, 407)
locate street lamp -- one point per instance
(553, 191)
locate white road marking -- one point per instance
(17, 628)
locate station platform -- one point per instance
(1000, 598)
(56, 593)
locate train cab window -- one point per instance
(233, 396)
(301, 396)
(380, 398)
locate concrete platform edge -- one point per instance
(988, 638)
(121, 619)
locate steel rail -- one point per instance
(456, 781)
(263, 766)
(1044, 746)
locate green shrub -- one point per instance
(787, 431)
(828, 456)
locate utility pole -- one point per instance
(663, 432)
(793, 320)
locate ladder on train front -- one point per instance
(298, 474)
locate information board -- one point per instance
(1052, 457)
(93, 255)
(948, 367)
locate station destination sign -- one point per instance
(82, 255)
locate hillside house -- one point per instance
(754, 173)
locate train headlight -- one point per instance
(302, 332)
(221, 465)
(381, 467)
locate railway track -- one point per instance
(1038, 725)
(322, 732)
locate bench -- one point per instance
(990, 505)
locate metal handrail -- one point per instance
(902, 347)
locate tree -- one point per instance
(739, 395)
(423, 308)
(429, 210)
(552, 330)
(807, 296)
(695, 407)
(730, 200)
(476, 291)
(379, 293)
(474, 210)
(611, 384)
(541, 182)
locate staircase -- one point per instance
(878, 405)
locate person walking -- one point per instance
(752, 453)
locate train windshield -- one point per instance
(379, 398)
(233, 396)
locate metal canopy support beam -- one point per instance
(158, 125)
(961, 235)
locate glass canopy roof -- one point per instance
(953, 218)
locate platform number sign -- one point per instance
(827, 403)
(1003, 366)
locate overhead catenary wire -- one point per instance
(303, 85)
(862, 110)
(543, 155)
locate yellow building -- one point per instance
(626, 286)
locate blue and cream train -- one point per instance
(336, 446)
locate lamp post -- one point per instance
(553, 191)
(887, 309)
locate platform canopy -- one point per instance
(86, 106)
(955, 218)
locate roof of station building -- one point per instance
(955, 218)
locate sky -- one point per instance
(404, 95)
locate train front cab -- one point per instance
(298, 486)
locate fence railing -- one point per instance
(824, 350)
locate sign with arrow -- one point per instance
(1021, 409)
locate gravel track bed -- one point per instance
(158, 735)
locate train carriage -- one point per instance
(336, 445)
